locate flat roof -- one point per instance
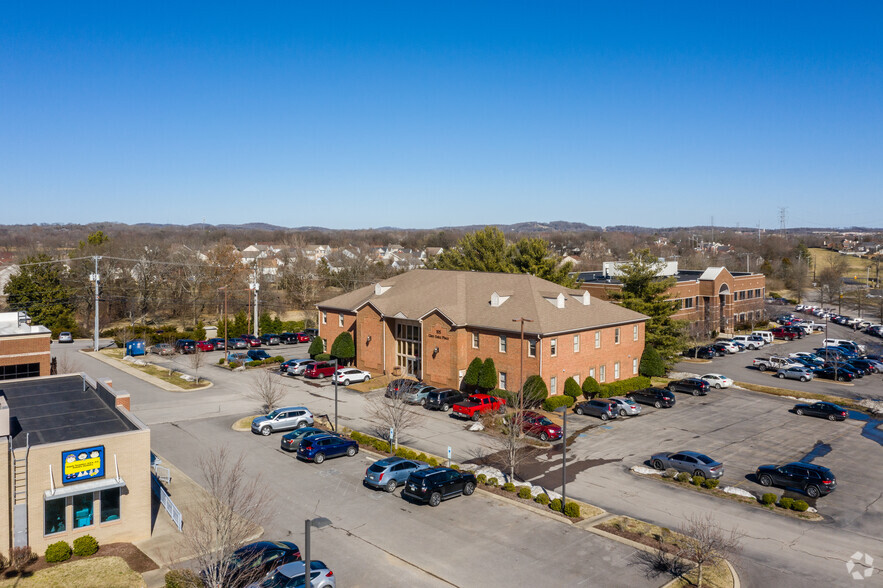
(598, 277)
(57, 409)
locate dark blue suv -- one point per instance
(318, 447)
(258, 354)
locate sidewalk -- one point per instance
(166, 545)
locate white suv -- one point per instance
(282, 419)
(750, 342)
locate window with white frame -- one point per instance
(602, 373)
(475, 340)
(553, 347)
(532, 348)
(635, 333)
(576, 343)
(616, 335)
(324, 318)
(592, 373)
(577, 380)
(502, 343)
(340, 320)
(553, 386)
(635, 366)
(503, 381)
(616, 371)
(597, 339)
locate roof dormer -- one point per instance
(557, 300)
(584, 298)
(498, 299)
(380, 289)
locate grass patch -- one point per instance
(173, 378)
(772, 390)
(857, 266)
(244, 424)
(718, 576)
(108, 572)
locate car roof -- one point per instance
(325, 436)
(388, 461)
(695, 454)
(261, 545)
(296, 568)
(810, 466)
(293, 408)
(429, 471)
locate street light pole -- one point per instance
(224, 288)
(335, 394)
(307, 524)
(563, 410)
(521, 320)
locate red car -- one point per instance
(781, 333)
(539, 426)
(204, 346)
(472, 407)
(252, 340)
(320, 369)
(302, 338)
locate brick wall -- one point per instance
(22, 349)
(330, 329)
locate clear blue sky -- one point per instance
(417, 114)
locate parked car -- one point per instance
(717, 381)
(626, 406)
(347, 376)
(297, 367)
(417, 393)
(807, 356)
(204, 346)
(238, 356)
(801, 373)
(812, 479)
(829, 373)
(320, 369)
(282, 419)
(65, 337)
(391, 472)
(472, 407)
(292, 575)
(237, 343)
(258, 354)
(781, 333)
(693, 386)
(827, 410)
(658, 397)
(868, 365)
(798, 331)
(185, 346)
(283, 367)
(291, 441)
(603, 408)
(218, 343)
(432, 485)
(695, 464)
(311, 333)
(270, 339)
(399, 386)
(443, 399)
(252, 562)
(700, 353)
(727, 346)
(162, 349)
(320, 447)
(288, 338)
(533, 423)
(251, 340)
(773, 362)
(750, 341)
(303, 337)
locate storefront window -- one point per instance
(110, 505)
(83, 510)
(53, 516)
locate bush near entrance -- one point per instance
(554, 402)
(473, 372)
(316, 347)
(534, 391)
(487, 380)
(590, 387)
(652, 364)
(58, 551)
(343, 348)
(571, 388)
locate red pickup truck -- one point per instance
(472, 407)
(781, 333)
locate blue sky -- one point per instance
(414, 114)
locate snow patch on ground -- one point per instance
(476, 426)
(738, 492)
(682, 375)
(646, 471)
(873, 406)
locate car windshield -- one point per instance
(545, 421)
(274, 414)
(704, 459)
(376, 468)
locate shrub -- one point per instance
(623, 387)
(433, 462)
(492, 482)
(470, 380)
(455, 467)
(256, 363)
(58, 551)
(85, 546)
(555, 505)
(510, 397)
(21, 557)
(670, 473)
(534, 391)
(651, 363)
(786, 502)
(343, 347)
(554, 402)
(682, 477)
(768, 498)
(524, 492)
(509, 487)
(542, 498)
(221, 361)
(481, 479)
(183, 579)
(590, 387)
(422, 457)
(697, 480)
(711, 484)
(323, 357)
(277, 359)
(799, 505)
(571, 509)
(317, 346)
(487, 379)
(571, 388)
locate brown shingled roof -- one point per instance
(465, 299)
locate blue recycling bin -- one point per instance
(136, 347)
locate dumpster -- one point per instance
(136, 347)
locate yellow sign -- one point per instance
(83, 465)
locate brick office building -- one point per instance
(430, 324)
(713, 299)
(24, 348)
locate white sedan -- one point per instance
(347, 376)
(717, 381)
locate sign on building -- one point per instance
(82, 464)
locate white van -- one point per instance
(767, 336)
(750, 341)
(845, 343)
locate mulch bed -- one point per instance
(134, 557)
(513, 496)
(638, 538)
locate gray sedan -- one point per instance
(391, 472)
(796, 373)
(695, 464)
(626, 406)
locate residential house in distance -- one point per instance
(430, 324)
(713, 299)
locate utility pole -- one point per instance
(224, 288)
(96, 279)
(522, 320)
(256, 286)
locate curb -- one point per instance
(141, 375)
(521, 505)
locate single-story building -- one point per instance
(24, 348)
(430, 324)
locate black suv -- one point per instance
(443, 399)
(288, 338)
(814, 480)
(185, 346)
(433, 485)
(700, 353)
(693, 386)
(658, 397)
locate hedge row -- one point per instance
(623, 387)
(551, 403)
(571, 509)
(403, 452)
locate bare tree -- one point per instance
(267, 391)
(225, 518)
(392, 412)
(707, 543)
(197, 360)
(67, 364)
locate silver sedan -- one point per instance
(692, 462)
(626, 406)
(796, 373)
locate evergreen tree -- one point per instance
(317, 347)
(590, 387)
(473, 372)
(642, 291)
(40, 291)
(534, 391)
(651, 363)
(344, 348)
(532, 255)
(571, 388)
(487, 380)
